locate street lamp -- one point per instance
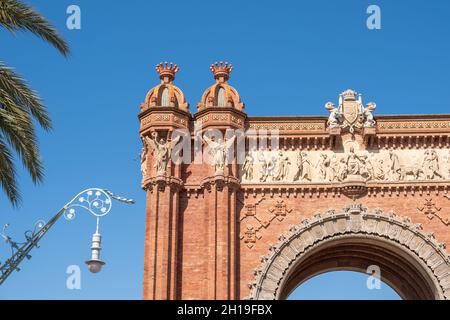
(95, 264)
(96, 201)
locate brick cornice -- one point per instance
(164, 118)
(330, 189)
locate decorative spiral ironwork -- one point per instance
(96, 201)
(29, 234)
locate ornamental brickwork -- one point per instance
(287, 198)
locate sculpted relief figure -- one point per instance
(348, 165)
(353, 163)
(321, 166)
(378, 170)
(342, 170)
(431, 165)
(367, 167)
(264, 167)
(283, 167)
(299, 164)
(394, 166)
(219, 150)
(161, 151)
(324, 167)
(333, 170)
(247, 167)
(303, 167)
(268, 165)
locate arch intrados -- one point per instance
(404, 274)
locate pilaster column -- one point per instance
(161, 245)
(222, 237)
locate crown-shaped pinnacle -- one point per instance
(349, 94)
(167, 71)
(221, 70)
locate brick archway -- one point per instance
(411, 261)
(207, 224)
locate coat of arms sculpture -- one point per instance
(351, 112)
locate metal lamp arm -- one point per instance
(96, 201)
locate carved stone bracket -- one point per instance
(369, 136)
(161, 182)
(335, 134)
(354, 187)
(220, 181)
(354, 220)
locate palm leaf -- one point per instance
(8, 174)
(17, 129)
(15, 15)
(19, 104)
(19, 92)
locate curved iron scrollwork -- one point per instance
(96, 201)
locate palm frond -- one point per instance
(16, 89)
(17, 129)
(15, 15)
(19, 104)
(8, 174)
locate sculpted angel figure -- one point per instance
(335, 118)
(369, 121)
(161, 151)
(219, 150)
(247, 167)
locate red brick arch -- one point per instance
(207, 228)
(411, 261)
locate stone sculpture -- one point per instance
(161, 151)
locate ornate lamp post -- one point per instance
(96, 201)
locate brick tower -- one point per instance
(163, 111)
(220, 110)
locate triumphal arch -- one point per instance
(275, 201)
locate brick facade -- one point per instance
(207, 230)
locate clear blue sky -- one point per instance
(290, 57)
